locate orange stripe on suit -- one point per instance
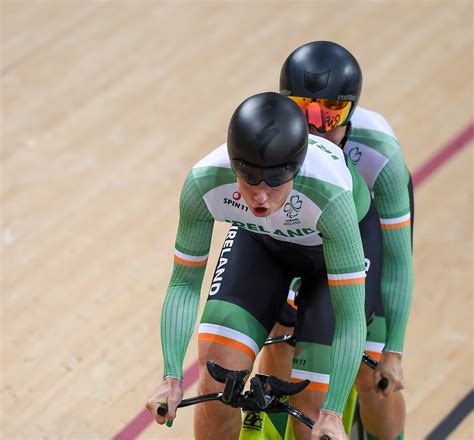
(396, 225)
(189, 263)
(218, 339)
(346, 282)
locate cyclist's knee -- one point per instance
(223, 355)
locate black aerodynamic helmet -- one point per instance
(323, 70)
(267, 139)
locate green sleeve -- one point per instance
(360, 191)
(181, 303)
(392, 203)
(344, 257)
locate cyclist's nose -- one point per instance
(261, 194)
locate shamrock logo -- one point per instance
(355, 154)
(293, 206)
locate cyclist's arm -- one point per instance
(181, 303)
(344, 256)
(393, 206)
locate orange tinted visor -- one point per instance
(324, 114)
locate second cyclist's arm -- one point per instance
(393, 206)
(344, 256)
(181, 303)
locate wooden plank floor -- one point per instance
(107, 104)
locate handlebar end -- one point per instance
(383, 383)
(162, 409)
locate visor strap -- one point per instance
(346, 135)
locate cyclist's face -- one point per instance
(262, 199)
(336, 135)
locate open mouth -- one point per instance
(261, 212)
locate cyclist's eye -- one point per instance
(334, 104)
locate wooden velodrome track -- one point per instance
(105, 107)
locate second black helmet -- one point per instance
(322, 70)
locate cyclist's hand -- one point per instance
(390, 367)
(329, 424)
(170, 392)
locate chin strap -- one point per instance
(342, 144)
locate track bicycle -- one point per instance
(351, 418)
(266, 396)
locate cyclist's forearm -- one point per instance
(393, 206)
(344, 259)
(182, 298)
(348, 343)
(397, 285)
(178, 319)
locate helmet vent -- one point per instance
(314, 82)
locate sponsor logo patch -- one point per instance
(252, 421)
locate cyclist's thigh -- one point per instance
(247, 292)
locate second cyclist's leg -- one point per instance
(276, 359)
(308, 401)
(383, 418)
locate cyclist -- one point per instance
(325, 80)
(284, 200)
